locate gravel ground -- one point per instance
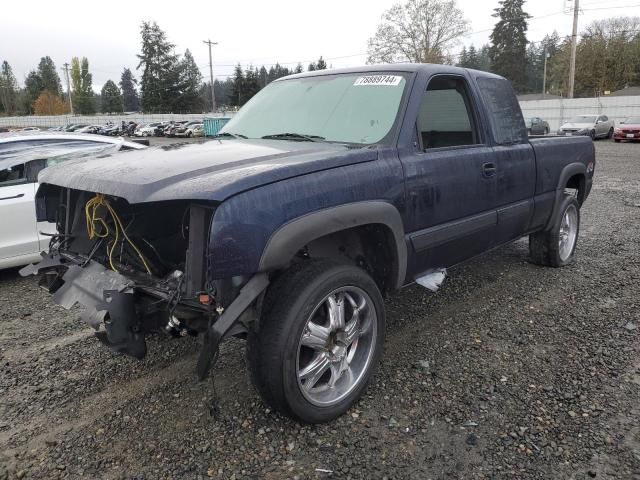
(509, 371)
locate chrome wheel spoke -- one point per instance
(314, 370)
(315, 336)
(352, 330)
(335, 305)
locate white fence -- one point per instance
(555, 111)
(560, 110)
(59, 120)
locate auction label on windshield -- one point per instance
(389, 80)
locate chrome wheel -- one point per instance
(336, 346)
(568, 232)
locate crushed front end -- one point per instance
(138, 269)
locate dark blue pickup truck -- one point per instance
(326, 192)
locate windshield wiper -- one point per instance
(294, 136)
(229, 134)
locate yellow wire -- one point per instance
(93, 221)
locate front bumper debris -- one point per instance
(107, 296)
(112, 300)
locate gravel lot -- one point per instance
(509, 371)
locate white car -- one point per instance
(147, 130)
(197, 130)
(593, 125)
(22, 156)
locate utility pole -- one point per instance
(213, 96)
(574, 46)
(66, 74)
(544, 73)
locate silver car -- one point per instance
(593, 125)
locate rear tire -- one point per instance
(556, 247)
(318, 341)
(592, 134)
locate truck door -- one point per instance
(450, 175)
(514, 158)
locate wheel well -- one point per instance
(371, 247)
(577, 186)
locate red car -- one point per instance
(628, 130)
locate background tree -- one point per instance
(237, 94)
(110, 98)
(159, 65)
(185, 81)
(298, 68)
(469, 58)
(509, 43)
(8, 89)
(49, 76)
(81, 88)
(420, 31)
(130, 98)
(49, 104)
(484, 59)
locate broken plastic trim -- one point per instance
(432, 279)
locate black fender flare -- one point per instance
(288, 239)
(567, 172)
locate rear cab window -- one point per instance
(506, 121)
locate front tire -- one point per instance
(610, 134)
(556, 247)
(592, 134)
(319, 340)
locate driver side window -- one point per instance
(14, 175)
(446, 116)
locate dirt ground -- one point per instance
(510, 371)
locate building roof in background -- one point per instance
(537, 96)
(625, 92)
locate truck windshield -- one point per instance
(583, 119)
(344, 108)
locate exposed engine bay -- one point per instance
(137, 268)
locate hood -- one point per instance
(210, 170)
(577, 125)
(629, 126)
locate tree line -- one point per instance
(169, 83)
(608, 52)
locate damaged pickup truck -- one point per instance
(326, 192)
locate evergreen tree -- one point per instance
(321, 64)
(49, 76)
(472, 58)
(238, 87)
(8, 89)
(130, 99)
(189, 80)
(160, 71)
(81, 79)
(509, 43)
(263, 77)
(463, 57)
(251, 84)
(484, 60)
(298, 68)
(32, 88)
(110, 98)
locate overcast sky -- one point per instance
(249, 32)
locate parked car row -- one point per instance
(183, 128)
(590, 125)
